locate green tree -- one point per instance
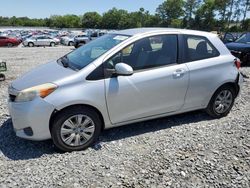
(205, 16)
(170, 10)
(114, 19)
(238, 11)
(221, 6)
(91, 20)
(246, 25)
(247, 9)
(190, 8)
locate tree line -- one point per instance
(195, 14)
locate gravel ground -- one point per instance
(188, 150)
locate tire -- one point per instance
(31, 44)
(71, 43)
(81, 43)
(2, 77)
(52, 44)
(220, 108)
(65, 138)
(9, 45)
(76, 45)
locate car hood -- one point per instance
(238, 46)
(48, 73)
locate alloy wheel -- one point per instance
(77, 130)
(223, 101)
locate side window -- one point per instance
(94, 34)
(147, 53)
(198, 48)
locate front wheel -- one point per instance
(75, 129)
(9, 45)
(71, 43)
(221, 102)
(2, 77)
(52, 44)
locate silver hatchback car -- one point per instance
(121, 78)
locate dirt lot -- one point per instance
(189, 150)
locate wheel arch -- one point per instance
(233, 85)
(30, 42)
(57, 112)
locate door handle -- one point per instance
(179, 73)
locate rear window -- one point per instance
(198, 48)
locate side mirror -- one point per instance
(123, 69)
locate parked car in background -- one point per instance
(24, 37)
(230, 37)
(82, 40)
(9, 42)
(41, 41)
(120, 78)
(241, 48)
(94, 35)
(67, 40)
(70, 40)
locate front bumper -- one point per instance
(35, 115)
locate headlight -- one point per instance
(41, 91)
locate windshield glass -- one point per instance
(86, 54)
(243, 39)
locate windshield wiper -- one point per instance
(65, 61)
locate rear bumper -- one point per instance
(34, 116)
(239, 82)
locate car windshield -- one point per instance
(243, 39)
(86, 54)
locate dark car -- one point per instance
(9, 42)
(241, 48)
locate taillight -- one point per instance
(237, 63)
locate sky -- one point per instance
(45, 8)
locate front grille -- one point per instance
(12, 98)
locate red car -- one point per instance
(6, 41)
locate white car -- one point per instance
(121, 78)
(41, 41)
(70, 40)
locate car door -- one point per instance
(41, 41)
(47, 41)
(206, 67)
(2, 41)
(158, 85)
(38, 41)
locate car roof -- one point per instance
(138, 31)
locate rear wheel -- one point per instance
(10, 45)
(2, 77)
(221, 102)
(31, 44)
(75, 129)
(52, 44)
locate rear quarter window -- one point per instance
(198, 48)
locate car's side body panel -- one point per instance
(146, 93)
